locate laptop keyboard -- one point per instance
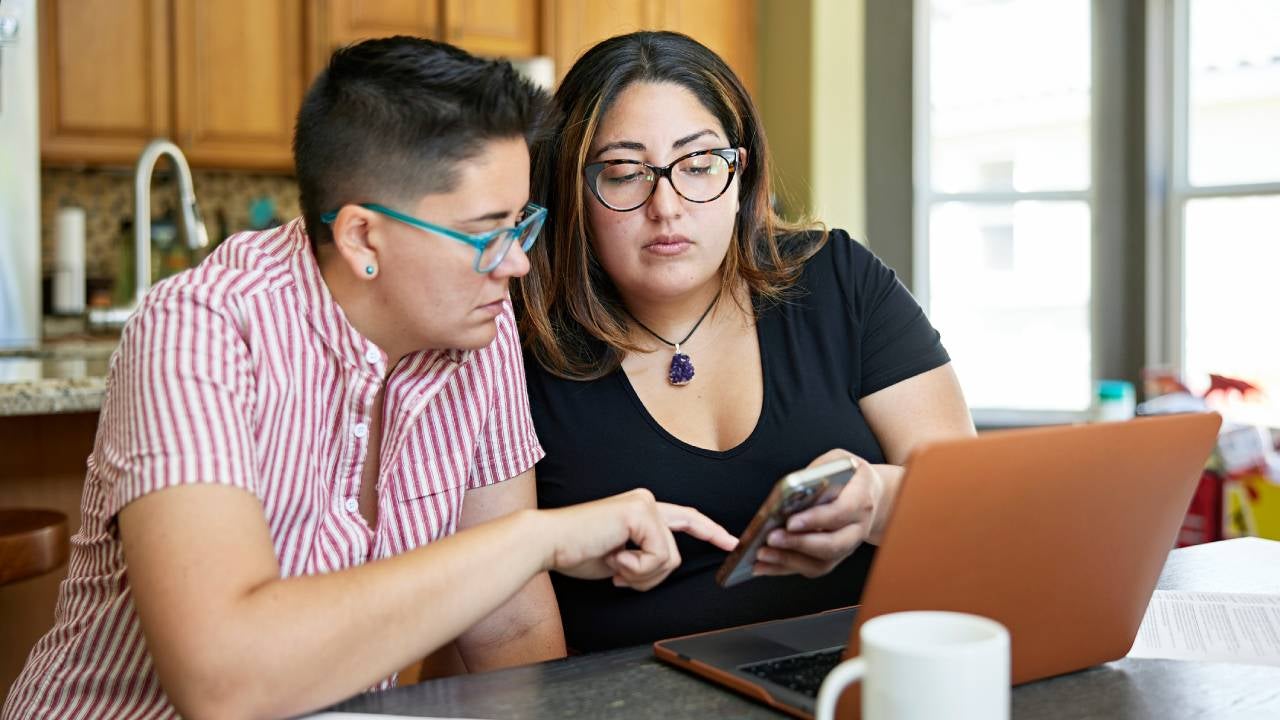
(802, 673)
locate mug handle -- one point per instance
(840, 677)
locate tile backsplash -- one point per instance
(107, 197)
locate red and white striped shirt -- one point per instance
(244, 371)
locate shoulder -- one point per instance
(840, 264)
(245, 265)
(245, 268)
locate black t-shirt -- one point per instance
(851, 329)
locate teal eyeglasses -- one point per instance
(491, 247)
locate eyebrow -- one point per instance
(633, 145)
(489, 217)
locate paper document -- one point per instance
(1221, 627)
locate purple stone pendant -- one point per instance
(681, 369)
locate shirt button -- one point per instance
(352, 505)
(360, 430)
(372, 355)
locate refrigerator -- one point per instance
(19, 176)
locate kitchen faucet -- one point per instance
(193, 227)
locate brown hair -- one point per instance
(571, 316)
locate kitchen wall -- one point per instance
(107, 197)
(812, 100)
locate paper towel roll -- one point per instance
(68, 261)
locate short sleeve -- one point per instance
(508, 444)
(179, 399)
(895, 340)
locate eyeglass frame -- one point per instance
(479, 241)
(591, 172)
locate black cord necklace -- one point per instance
(681, 371)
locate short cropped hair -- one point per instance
(388, 121)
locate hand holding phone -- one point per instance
(794, 493)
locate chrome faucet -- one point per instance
(192, 225)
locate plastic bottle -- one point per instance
(1113, 400)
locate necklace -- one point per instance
(681, 371)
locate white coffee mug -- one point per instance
(925, 665)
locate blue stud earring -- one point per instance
(368, 270)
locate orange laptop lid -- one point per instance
(1060, 533)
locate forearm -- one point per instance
(298, 644)
(891, 475)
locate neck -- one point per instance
(359, 305)
(673, 317)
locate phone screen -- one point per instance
(795, 492)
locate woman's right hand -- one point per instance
(627, 537)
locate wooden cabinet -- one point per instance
(224, 78)
(238, 81)
(104, 78)
(726, 26)
(334, 23)
(501, 28)
(498, 28)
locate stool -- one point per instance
(32, 542)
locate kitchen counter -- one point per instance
(61, 376)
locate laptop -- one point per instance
(1059, 533)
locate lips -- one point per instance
(668, 244)
(494, 308)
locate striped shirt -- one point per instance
(244, 371)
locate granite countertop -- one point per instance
(61, 376)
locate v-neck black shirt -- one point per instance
(850, 330)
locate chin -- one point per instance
(477, 339)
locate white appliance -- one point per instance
(19, 176)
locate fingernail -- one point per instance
(766, 555)
(777, 538)
(795, 524)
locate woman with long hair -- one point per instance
(680, 337)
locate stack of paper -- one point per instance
(1221, 627)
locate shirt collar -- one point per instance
(330, 322)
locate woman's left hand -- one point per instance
(816, 540)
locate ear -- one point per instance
(355, 241)
(742, 164)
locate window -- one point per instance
(1046, 209)
(1004, 197)
(1224, 198)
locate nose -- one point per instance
(665, 201)
(514, 265)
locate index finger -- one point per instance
(691, 522)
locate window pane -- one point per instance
(1009, 291)
(1234, 92)
(1009, 95)
(1232, 257)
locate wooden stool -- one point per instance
(32, 542)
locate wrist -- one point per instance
(890, 480)
(536, 530)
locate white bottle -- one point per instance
(1113, 400)
(68, 263)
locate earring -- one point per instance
(369, 270)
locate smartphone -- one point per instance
(793, 493)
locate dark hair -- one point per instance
(389, 119)
(567, 306)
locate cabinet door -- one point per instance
(573, 26)
(726, 26)
(238, 81)
(497, 28)
(335, 23)
(104, 79)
